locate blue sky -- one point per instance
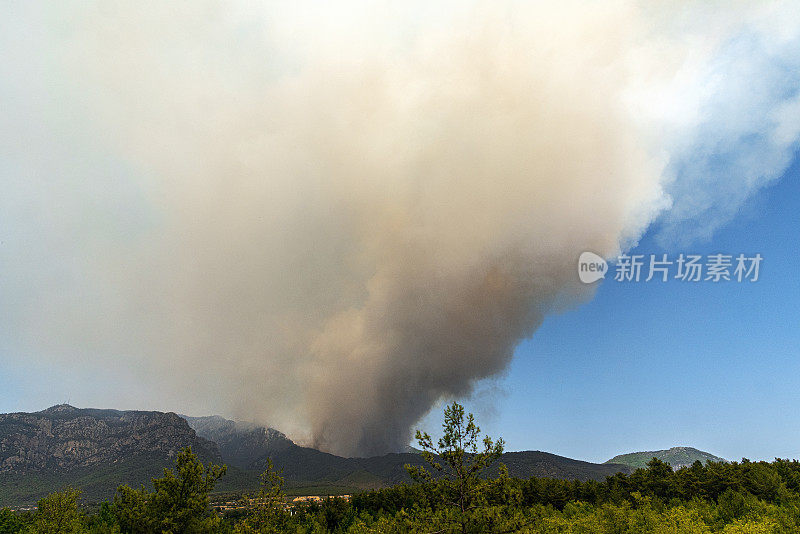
(647, 366)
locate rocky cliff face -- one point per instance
(64, 437)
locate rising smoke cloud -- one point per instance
(329, 217)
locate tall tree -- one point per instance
(58, 513)
(458, 460)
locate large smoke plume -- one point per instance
(330, 217)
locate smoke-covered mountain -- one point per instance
(677, 457)
(243, 445)
(97, 450)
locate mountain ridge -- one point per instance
(96, 450)
(308, 466)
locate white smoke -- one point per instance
(328, 217)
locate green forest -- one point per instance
(450, 495)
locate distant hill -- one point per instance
(98, 450)
(677, 457)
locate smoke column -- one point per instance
(329, 217)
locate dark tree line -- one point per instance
(768, 481)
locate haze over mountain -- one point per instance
(243, 445)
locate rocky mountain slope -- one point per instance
(93, 449)
(64, 437)
(677, 457)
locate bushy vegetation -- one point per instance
(451, 496)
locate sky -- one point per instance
(333, 218)
(648, 366)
